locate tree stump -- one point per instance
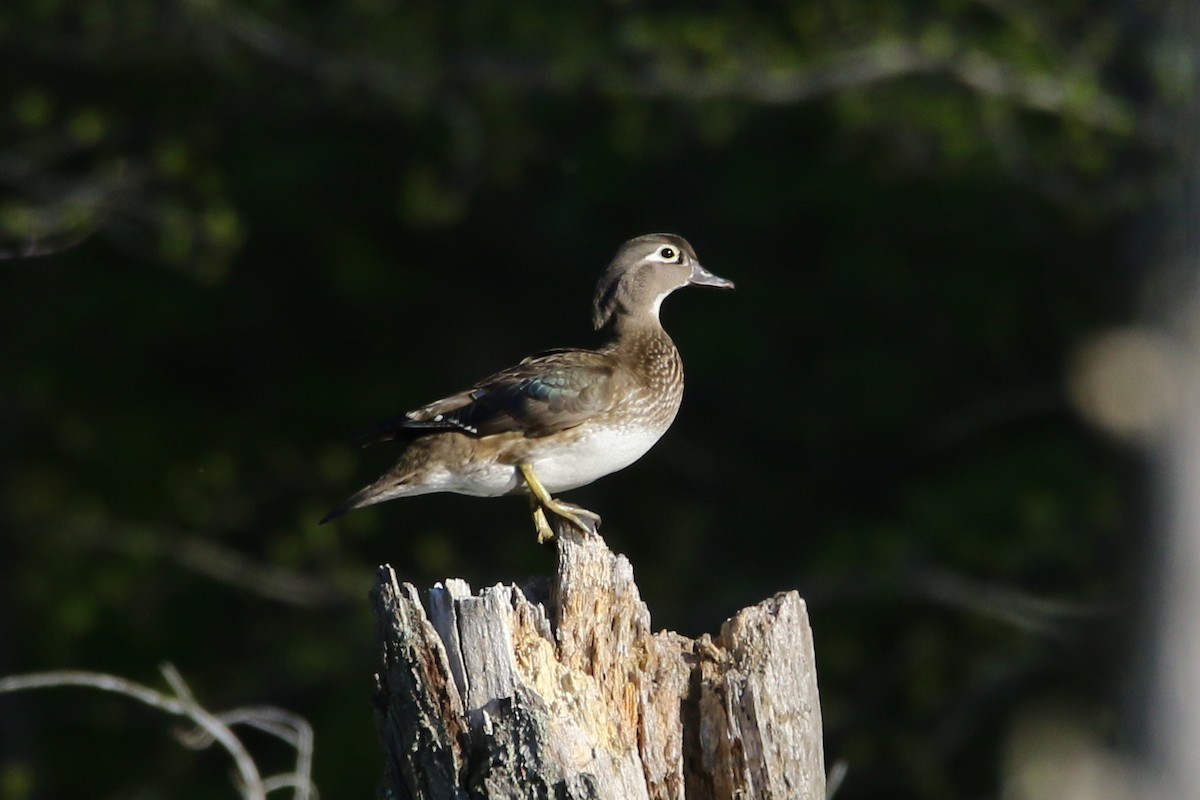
(560, 690)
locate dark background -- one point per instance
(238, 232)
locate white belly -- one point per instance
(566, 466)
(593, 457)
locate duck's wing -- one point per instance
(544, 394)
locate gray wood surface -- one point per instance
(563, 690)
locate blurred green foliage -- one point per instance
(238, 231)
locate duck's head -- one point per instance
(642, 273)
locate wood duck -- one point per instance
(560, 419)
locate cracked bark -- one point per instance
(561, 690)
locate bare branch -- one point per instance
(251, 786)
(1027, 612)
(209, 727)
(275, 43)
(877, 63)
(293, 729)
(742, 76)
(208, 557)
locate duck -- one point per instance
(560, 419)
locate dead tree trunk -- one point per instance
(561, 691)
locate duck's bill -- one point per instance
(702, 277)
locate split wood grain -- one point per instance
(560, 689)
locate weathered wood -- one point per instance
(563, 691)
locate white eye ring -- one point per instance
(667, 254)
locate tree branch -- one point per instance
(209, 727)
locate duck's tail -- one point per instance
(386, 488)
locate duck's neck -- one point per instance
(634, 330)
(643, 345)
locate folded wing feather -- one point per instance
(544, 394)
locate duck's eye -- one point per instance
(667, 254)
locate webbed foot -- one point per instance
(586, 521)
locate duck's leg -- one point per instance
(544, 502)
(544, 532)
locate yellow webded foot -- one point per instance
(580, 517)
(544, 502)
(544, 532)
